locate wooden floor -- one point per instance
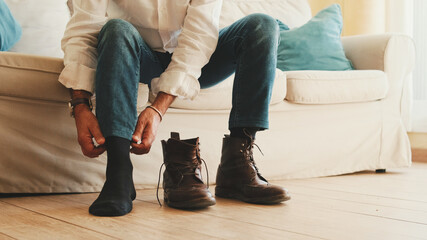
(358, 206)
(419, 155)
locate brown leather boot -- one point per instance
(182, 181)
(239, 178)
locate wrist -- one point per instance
(79, 104)
(81, 108)
(156, 110)
(80, 94)
(163, 101)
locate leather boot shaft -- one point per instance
(182, 180)
(182, 161)
(237, 159)
(238, 176)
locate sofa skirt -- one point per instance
(40, 153)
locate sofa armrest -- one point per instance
(380, 51)
(31, 77)
(395, 55)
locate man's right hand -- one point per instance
(88, 128)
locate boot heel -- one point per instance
(224, 192)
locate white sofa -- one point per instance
(321, 123)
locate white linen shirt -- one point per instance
(187, 28)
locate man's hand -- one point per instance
(145, 131)
(87, 127)
(148, 122)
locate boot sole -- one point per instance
(231, 194)
(192, 204)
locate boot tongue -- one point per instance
(192, 141)
(183, 151)
(183, 145)
(185, 159)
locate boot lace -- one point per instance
(185, 168)
(248, 153)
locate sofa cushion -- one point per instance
(329, 87)
(219, 96)
(316, 45)
(36, 77)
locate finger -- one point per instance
(138, 149)
(95, 130)
(135, 145)
(95, 152)
(99, 150)
(146, 143)
(148, 136)
(142, 148)
(87, 146)
(137, 134)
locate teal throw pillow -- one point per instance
(10, 30)
(282, 26)
(314, 46)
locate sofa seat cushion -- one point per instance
(219, 96)
(329, 87)
(36, 77)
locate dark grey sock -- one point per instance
(245, 132)
(118, 191)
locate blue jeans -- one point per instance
(248, 48)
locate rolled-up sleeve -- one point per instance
(196, 44)
(79, 44)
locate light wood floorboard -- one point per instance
(5, 237)
(20, 223)
(358, 206)
(419, 154)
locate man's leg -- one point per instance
(121, 53)
(248, 47)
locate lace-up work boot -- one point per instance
(182, 181)
(239, 178)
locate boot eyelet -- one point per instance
(243, 144)
(241, 150)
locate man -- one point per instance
(176, 48)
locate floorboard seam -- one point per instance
(370, 204)
(61, 220)
(205, 213)
(2, 233)
(81, 202)
(411, 200)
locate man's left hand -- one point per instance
(145, 131)
(148, 122)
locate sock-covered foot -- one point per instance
(118, 191)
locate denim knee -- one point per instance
(117, 32)
(262, 27)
